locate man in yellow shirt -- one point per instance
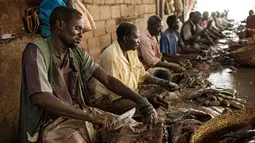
(121, 61)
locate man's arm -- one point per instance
(187, 50)
(142, 104)
(170, 57)
(48, 102)
(161, 82)
(170, 66)
(115, 85)
(183, 47)
(187, 33)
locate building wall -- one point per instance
(108, 14)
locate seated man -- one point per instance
(148, 50)
(212, 32)
(171, 39)
(192, 33)
(250, 23)
(53, 94)
(223, 21)
(121, 61)
(215, 23)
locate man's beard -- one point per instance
(175, 27)
(73, 45)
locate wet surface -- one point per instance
(243, 81)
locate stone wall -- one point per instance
(107, 14)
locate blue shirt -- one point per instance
(169, 42)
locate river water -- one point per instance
(243, 81)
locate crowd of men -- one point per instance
(55, 103)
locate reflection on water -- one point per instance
(243, 81)
(222, 79)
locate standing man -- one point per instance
(54, 101)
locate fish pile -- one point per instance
(217, 97)
(185, 122)
(194, 79)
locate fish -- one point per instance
(240, 100)
(236, 104)
(219, 109)
(214, 103)
(200, 115)
(212, 97)
(226, 96)
(227, 110)
(210, 111)
(230, 92)
(225, 103)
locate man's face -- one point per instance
(156, 28)
(197, 18)
(175, 25)
(72, 31)
(251, 13)
(205, 16)
(133, 40)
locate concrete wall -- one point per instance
(107, 14)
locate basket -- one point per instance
(211, 131)
(245, 56)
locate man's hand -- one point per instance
(186, 64)
(178, 68)
(98, 119)
(148, 112)
(172, 86)
(161, 82)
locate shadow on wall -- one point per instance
(10, 79)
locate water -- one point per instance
(243, 81)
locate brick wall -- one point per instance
(107, 14)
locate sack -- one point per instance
(46, 7)
(31, 19)
(178, 6)
(169, 7)
(88, 20)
